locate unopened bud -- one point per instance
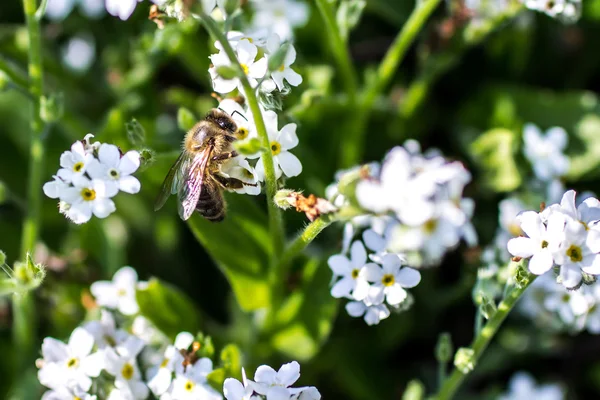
(488, 308)
(414, 391)
(286, 198)
(464, 360)
(588, 279)
(444, 348)
(147, 158)
(227, 72)
(203, 346)
(185, 119)
(29, 275)
(276, 59)
(522, 277)
(52, 108)
(249, 146)
(136, 134)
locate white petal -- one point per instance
(567, 203)
(376, 294)
(102, 208)
(290, 164)
(258, 69)
(80, 343)
(129, 163)
(531, 224)
(54, 350)
(570, 276)
(246, 52)
(93, 364)
(288, 374)
(395, 294)
(373, 272)
(80, 213)
(356, 308)
(522, 247)
(593, 266)
(54, 189)
(128, 305)
(373, 240)
(109, 155)
(184, 340)
(358, 254)
(287, 137)
(96, 169)
(371, 196)
(265, 374)
(125, 277)
(391, 263)
(342, 288)
(557, 136)
(129, 184)
(541, 262)
(361, 290)
(292, 77)
(105, 293)
(408, 277)
(278, 393)
(233, 389)
(339, 264)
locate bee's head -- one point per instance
(222, 120)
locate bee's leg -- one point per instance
(229, 183)
(225, 156)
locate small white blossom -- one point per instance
(240, 169)
(277, 384)
(522, 386)
(105, 331)
(121, 8)
(236, 390)
(71, 364)
(389, 280)
(74, 163)
(118, 293)
(88, 197)
(121, 363)
(161, 376)
(284, 72)
(373, 314)
(280, 16)
(191, 384)
(68, 392)
(115, 169)
(545, 152)
(254, 69)
(353, 273)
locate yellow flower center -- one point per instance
(275, 148)
(121, 292)
(189, 386)
(164, 363)
(280, 69)
(78, 166)
(88, 194)
(355, 273)
(110, 340)
(430, 226)
(245, 68)
(248, 174)
(514, 229)
(388, 280)
(113, 173)
(72, 363)
(127, 371)
(544, 244)
(242, 133)
(574, 253)
(76, 398)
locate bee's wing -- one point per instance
(172, 181)
(189, 191)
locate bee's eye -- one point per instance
(226, 124)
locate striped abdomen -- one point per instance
(211, 204)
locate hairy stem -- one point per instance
(482, 340)
(340, 49)
(23, 310)
(352, 151)
(275, 221)
(303, 239)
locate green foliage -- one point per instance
(240, 246)
(230, 366)
(494, 152)
(185, 119)
(167, 308)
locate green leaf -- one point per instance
(169, 309)
(348, 15)
(185, 119)
(494, 151)
(305, 319)
(240, 246)
(586, 161)
(231, 366)
(216, 378)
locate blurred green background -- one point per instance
(530, 69)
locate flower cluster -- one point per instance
(562, 235)
(522, 386)
(566, 10)
(371, 286)
(270, 384)
(122, 356)
(90, 175)
(281, 142)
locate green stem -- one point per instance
(275, 220)
(12, 73)
(352, 151)
(23, 310)
(303, 239)
(486, 334)
(340, 49)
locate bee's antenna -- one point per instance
(236, 111)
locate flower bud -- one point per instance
(522, 277)
(464, 360)
(147, 158)
(249, 146)
(185, 119)
(52, 108)
(444, 348)
(203, 346)
(29, 275)
(276, 59)
(286, 198)
(414, 391)
(227, 72)
(135, 132)
(488, 308)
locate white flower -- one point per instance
(246, 53)
(240, 169)
(353, 272)
(280, 16)
(70, 364)
(587, 212)
(389, 280)
(509, 210)
(88, 197)
(236, 390)
(522, 387)
(74, 163)
(115, 169)
(55, 189)
(284, 71)
(373, 314)
(105, 331)
(542, 242)
(121, 364)
(121, 8)
(280, 143)
(276, 384)
(118, 293)
(161, 376)
(569, 305)
(577, 253)
(191, 384)
(68, 392)
(545, 152)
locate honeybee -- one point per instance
(195, 176)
